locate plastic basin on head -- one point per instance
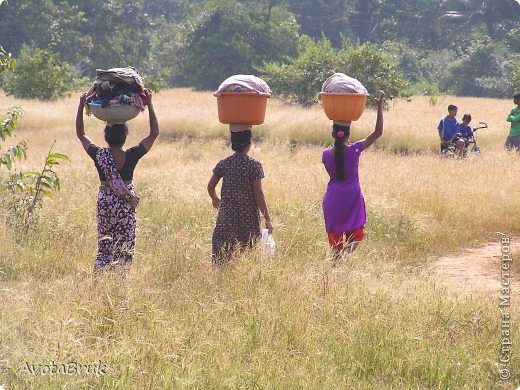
(343, 106)
(115, 114)
(242, 108)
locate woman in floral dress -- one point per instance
(116, 202)
(242, 197)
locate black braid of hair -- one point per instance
(339, 149)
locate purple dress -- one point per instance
(343, 203)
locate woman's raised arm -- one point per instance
(80, 128)
(378, 131)
(148, 141)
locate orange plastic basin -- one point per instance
(343, 106)
(242, 108)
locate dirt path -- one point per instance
(476, 268)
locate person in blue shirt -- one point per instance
(449, 130)
(465, 129)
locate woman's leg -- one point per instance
(339, 247)
(124, 245)
(221, 250)
(354, 239)
(336, 244)
(105, 227)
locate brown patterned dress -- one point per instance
(238, 219)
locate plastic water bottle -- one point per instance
(267, 244)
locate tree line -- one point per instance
(464, 47)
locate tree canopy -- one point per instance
(466, 47)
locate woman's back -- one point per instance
(350, 163)
(238, 172)
(343, 203)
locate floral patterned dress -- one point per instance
(115, 209)
(238, 219)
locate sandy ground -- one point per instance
(477, 268)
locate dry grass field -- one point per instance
(380, 320)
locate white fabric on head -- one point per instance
(244, 83)
(341, 83)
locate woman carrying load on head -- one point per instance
(343, 203)
(238, 218)
(116, 201)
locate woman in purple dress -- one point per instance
(343, 203)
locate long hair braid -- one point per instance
(340, 134)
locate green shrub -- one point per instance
(301, 80)
(39, 74)
(375, 69)
(482, 71)
(514, 79)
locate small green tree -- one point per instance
(39, 74)
(22, 192)
(300, 81)
(375, 69)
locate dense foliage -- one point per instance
(39, 74)
(466, 47)
(233, 39)
(301, 80)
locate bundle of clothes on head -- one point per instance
(116, 87)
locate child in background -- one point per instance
(513, 139)
(449, 130)
(465, 129)
(343, 203)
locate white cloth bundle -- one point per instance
(243, 83)
(341, 83)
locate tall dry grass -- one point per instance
(291, 321)
(410, 126)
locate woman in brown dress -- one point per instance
(238, 218)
